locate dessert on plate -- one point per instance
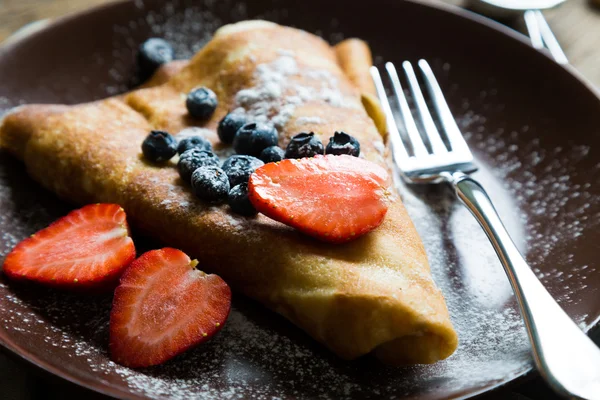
(358, 282)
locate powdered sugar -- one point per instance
(379, 146)
(276, 94)
(552, 195)
(260, 355)
(309, 120)
(194, 131)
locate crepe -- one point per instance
(374, 294)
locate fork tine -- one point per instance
(533, 28)
(437, 145)
(416, 140)
(398, 149)
(549, 39)
(457, 141)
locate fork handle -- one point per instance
(565, 356)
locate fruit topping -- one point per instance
(229, 125)
(163, 307)
(159, 146)
(272, 154)
(193, 159)
(193, 142)
(304, 145)
(333, 198)
(253, 138)
(210, 183)
(87, 249)
(342, 143)
(201, 103)
(239, 202)
(239, 168)
(152, 54)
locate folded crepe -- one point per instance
(374, 294)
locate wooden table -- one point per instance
(576, 25)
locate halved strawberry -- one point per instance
(333, 198)
(164, 306)
(88, 248)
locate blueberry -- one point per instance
(193, 142)
(159, 146)
(229, 125)
(152, 54)
(239, 168)
(272, 154)
(210, 183)
(304, 145)
(253, 138)
(193, 159)
(239, 202)
(342, 143)
(201, 102)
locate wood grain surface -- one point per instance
(576, 25)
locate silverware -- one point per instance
(539, 31)
(567, 359)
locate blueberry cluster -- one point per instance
(198, 166)
(254, 142)
(260, 140)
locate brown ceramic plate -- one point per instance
(535, 129)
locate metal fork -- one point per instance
(567, 359)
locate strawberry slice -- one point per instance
(163, 307)
(87, 249)
(333, 198)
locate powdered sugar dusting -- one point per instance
(309, 120)
(554, 195)
(276, 94)
(177, 195)
(260, 355)
(194, 131)
(247, 358)
(187, 32)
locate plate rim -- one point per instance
(497, 26)
(38, 27)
